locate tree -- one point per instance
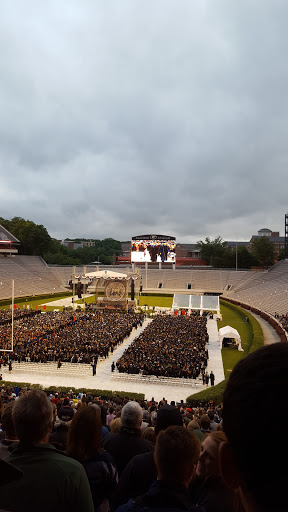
(263, 250)
(34, 238)
(244, 258)
(213, 251)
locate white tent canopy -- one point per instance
(230, 332)
(106, 274)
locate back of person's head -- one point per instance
(218, 436)
(168, 415)
(149, 434)
(176, 454)
(146, 416)
(250, 461)
(115, 425)
(131, 415)
(211, 415)
(7, 423)
(84, 434)
(205, 422)
(32, 416)
(193, 425)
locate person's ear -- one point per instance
(228, 467)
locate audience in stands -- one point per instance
(51, 480)
(84, 445)
(248, 464)
(141, 471)
(176, 455)
(128, 442)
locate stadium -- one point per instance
(40, 291)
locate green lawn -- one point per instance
(236, 319)
(156, 300)
(37, 302)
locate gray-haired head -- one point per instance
(131, 415)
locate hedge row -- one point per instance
(104, 393)
(215, 393)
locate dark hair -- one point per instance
(7, 422)
(205, 422)
(259, 381)
(84, 434)
(177, 449)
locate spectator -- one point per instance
(84, 445)
(205, 424)
(7, 425)
(110, 417)
(149, 434)
(209, 489)
(115, 425)
(249, 462)
(176, 455)
(51, 480)
(213, 424)
(61, 426)
(128, 442)
(140, 473)
(195, 427)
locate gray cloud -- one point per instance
(126, 117)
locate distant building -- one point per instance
(274, 237)
(71, 244)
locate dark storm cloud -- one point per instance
(119, 118)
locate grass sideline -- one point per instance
(32, 301)
(254, 339)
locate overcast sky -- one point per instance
(128, 117)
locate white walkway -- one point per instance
(215, 356)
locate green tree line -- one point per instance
(35, 240)
(217, 254)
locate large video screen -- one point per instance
(153, 249)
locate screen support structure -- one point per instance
(286, 236)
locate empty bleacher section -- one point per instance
(173, 281)
(266, 290)
(31, 277)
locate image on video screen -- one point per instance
(153, 249)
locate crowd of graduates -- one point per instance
(171, 346)
(76, 337)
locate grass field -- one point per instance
(157, 300)
(36, 302)
(232, 317)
